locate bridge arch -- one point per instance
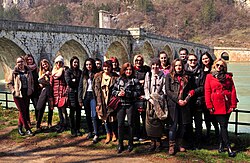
(225, 56)
(118, 50)
(167, 48)
(72, 48)
(9, 51)
(147, 50)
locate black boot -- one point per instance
(120, 147)
(20, 131)
(221, 148)
(29, 132)
(152, 146)
(230, 151)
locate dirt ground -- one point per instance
(64, 148)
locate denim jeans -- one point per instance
(90, 111)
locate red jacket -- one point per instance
(220, 96)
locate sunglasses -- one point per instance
(192, 60)
(218, 65)
(19, 62)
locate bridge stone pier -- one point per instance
(49, 40)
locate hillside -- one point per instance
(214, 23)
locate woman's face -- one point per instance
(178, 67)
(138, 62)
(163, 59)
(107, 69)
(128, 71)
(75, 63)
(59, 64)
(89, 66)
(155, 68)
(45, 66)
(30, 61)
(20, 63)
(219, 66)
(192, 61)
(114, 64)
(205, 60)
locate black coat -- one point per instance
(72, 79)
(172, 89)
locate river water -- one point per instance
(241, 76)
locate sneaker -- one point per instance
(135, 138)
(95, 139)
(141, 139)
(90, 135)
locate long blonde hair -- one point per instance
(41, 70)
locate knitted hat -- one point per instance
(59, 59)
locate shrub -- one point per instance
(57, 14)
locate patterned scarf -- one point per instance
(220, 75)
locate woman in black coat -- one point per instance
(177, 89)
(72, 77)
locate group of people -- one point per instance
(162, 95)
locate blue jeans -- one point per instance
(90, 111)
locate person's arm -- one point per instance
(208, 92)
(80, 90)
(147, 87)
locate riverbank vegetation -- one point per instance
(214, 23)
(49, 141)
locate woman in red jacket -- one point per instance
(220, 97)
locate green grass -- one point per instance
(240, 143)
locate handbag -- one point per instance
(140, 104)
(63, 101)
(114, 102)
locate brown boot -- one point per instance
(108, 137)
(114, 138)
(171, 147)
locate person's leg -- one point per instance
(130, 114)
(72, 120)
(121, 113)
(86, 103)
(137, 124)
(40, 116)
(94, 116)
(198, 127)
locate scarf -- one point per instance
(220, 75)
(32, 67)
(57, 73)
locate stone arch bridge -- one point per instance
(48, 40)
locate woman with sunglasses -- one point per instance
(103, 84)
(221, 100)
(127, 88)
(45, 96)
(58, 85)
(21, 86)
(140, 104)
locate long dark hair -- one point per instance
(71, 62)
(85, 71)
(210, 63)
